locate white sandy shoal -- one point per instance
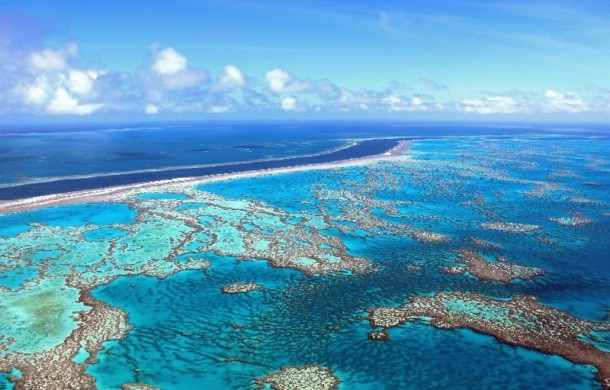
(107, 194)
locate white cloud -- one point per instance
(220, 109)
(289, 103)
(170, 71)
(280, 81)
(50, 81)
(49, 60)
(415, 103)
(168, 61)
(474, 105)
(81, 82)
(47, 81)
(35, 93)
(64, 104)
(391, 100)
(490, 105)
(151, 109)
(230, 77)
(361, 98)
(185, 79)
(564, 102)
(56, 91)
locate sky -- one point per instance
(408, 59)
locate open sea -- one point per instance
(320, 246)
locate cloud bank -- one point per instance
(53, 81)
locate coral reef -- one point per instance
(310, 377)
(520, 321)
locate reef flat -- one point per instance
(262, 278)
(497, 271)
(240, 288)
(521, 321)
(295, 378)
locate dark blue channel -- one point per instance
(361, 149)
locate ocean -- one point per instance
(473, 219)
(55, 159)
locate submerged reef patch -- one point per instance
(241, 288)
(584, 201)
(511, 227)
(311, 377)
(520, 321)
(429, 236)
(577, 219)
(138, 386)
(495, 271)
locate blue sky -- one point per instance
(316, 59)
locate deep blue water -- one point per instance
(362, 149)
(52, 159)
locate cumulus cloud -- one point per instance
(169, 61)
(182, 80)
(38, 79)
(391, 100)
(230, 77)
(82, 82)
(36, 92)
(289, 103)
(49, 60)
(49, 83)
(280, 81)
(564, 102)
(42, 80)
(490, 105)
(405, 104)
(169, 70)
(362, 99)
(368, 100)
(64, 104)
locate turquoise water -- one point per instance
(76, 215)
(5, 384)
(104, 234)
(162, 195)
(13, 279)
(188, 334)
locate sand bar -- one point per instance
(107, 194)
